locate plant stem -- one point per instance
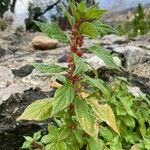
(76, 42)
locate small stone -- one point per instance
(2, 52)
(62, 59)
(44, 43)
(23, 71)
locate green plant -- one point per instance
(138, 25)
(88, 113)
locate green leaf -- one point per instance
(129, 121)
(73, 8)
(106, 133)
(104, 55)
(46, 139)
(103, 112)
(127, 103)
(103, 28)
(115, 144)
(81, 7)
(61, 145)
(94, 12)
(26, 145)
(37, 135)
(88, 29)
(79, 137)
(63, 98)
(38, 110)
(53, 31)
(28, 138)
(52, 68)
(86, 118)
(51, 146)
(69, 16)
(80, 65)
(98, 84)
(95, 144)
(64, 133)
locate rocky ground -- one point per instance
(21, 84)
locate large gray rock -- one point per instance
(113, 39)
(6, 77)
(133, 55)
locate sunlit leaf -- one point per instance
(94, 12)
(88, 29)
(26, 145)
(103, 112)
(63, 98)
(53, 31)
(86, 118)
(37, 135)
(38, 110)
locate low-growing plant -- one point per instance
(138, 25)
(88, 114)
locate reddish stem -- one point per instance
(76, 42)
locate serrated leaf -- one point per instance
(94, 12)
(37, 135)
(103, 28)
(95, 144)
(51, 146)
(81, 7)
(38, 110)
(115, 144)
(73, 8)
(51, 68)
(53, 31)
(129, 121)
(106, 133)
(61, 145)
(98, 84)
(69, 16)
(103, 112)
(127, 103)
(63, 98)
(79, 137)
(86, 118)
(26, 145)
(104, 55)
(46, 139)
(64, 133)
(88, 29)
(80, 65)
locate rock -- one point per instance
(133, 55)
(44, 43)
(2, 52)
(135, 91)
(62, 59)
(12, 89)
(114, 39)
(98, 62)
(23, 71)
(6, 77)
(11, 132)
